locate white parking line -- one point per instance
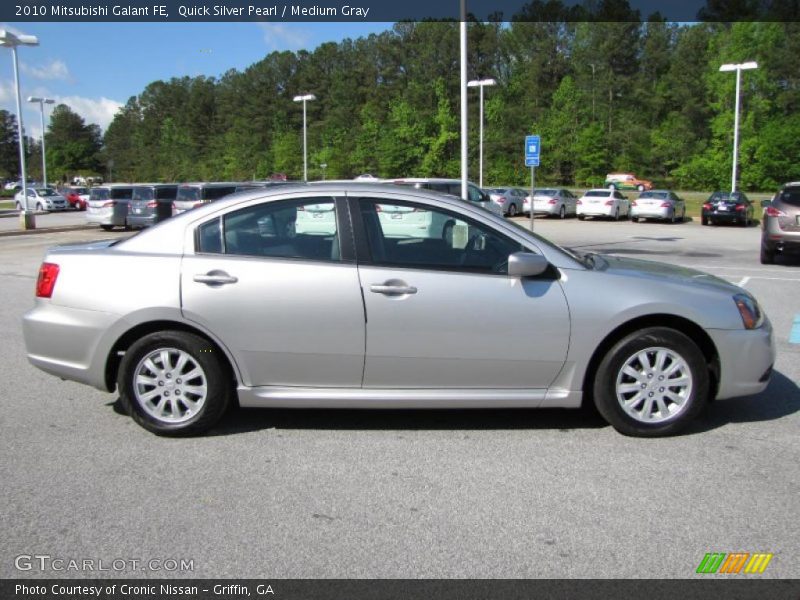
(743, 281)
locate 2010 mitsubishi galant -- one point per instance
(235, 298)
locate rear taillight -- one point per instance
(196, 204)
(707, 206)
(609, 203)
(152, 204)
(553, 201)
(741, 207)
(501, 200)
(634, 203)
(108, 204)
(579, 202)
(771, 211)
(665, 205)
(48, 273)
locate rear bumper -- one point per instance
(746, 357)
(776, 238)
(100, 217)
(650, 213)
(67, 342)
(140, 221)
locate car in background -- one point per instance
(151, 203)
(108, 205)
(663, 205)
(192, 195)
(781, 223)
(553, 202)
(228, 302)
(727, 207)
(77, 197)
(41, 198)
(627, 181)
(17, 185)
(510, 199)
(603, 203)
(475, 195)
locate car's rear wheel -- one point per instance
(767, 256)
(173, 383)
(616, 214)
(612, 187)
(640, 187)
(704, 220)
(635, 219)
(581, 217)
(106, 227)
(651, 383)
(512, 210)
(562, 213)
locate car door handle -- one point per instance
(392, 289)
(215, 278)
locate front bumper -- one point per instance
(745, 356)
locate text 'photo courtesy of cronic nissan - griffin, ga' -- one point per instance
(363, 295)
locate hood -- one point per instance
(657, 271)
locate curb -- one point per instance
(16, 232)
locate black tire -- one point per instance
(581, 217)
(562, 213)
(612, 187)
(635, 219)
(622, 353)
(512, 210)
(616, 214)
(106, 227)
(19, 206)
(704, 220)
(672, 218)
(767, 256)
(39, 207)
(218, 383)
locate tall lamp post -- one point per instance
(305, 98)
(738, 68)
(481, 83)
(42, 102)
(11, 40)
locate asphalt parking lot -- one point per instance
(459, 494)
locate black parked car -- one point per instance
(727, 207)
(151, 203)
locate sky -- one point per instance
(95, 67)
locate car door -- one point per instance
(443, 313)
(286, 303)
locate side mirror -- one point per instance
(526, 264)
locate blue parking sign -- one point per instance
(533, 149)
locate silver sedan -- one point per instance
(235, 301)
(658, 204)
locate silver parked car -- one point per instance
(509, 199)
(41, 199)
(235, 299)
(553, 202)
(658, 204)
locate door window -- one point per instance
(414, 235)
(304, 228)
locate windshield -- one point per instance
(46, 192)
(80, 190)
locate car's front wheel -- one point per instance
(174, 383)
(652, 383)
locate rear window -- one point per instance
(166, 193)
(99, 194)
(791, 196)
(217, 192)
(188, 192)
(597, 194)
(145, 193)
(547, 192)
(659, 195)
(120, 193)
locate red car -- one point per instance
(77, 197)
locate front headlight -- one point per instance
(752, 317)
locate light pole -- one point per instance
(11, 40)
(305, 98)
(42, 102)
(481, 83)
(323, 166)
(462, 44)
(593, 67)
(738, 68)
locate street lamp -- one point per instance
(481, 83)
(738, 68)
(323, 166)
(305, 98)
(42, 102)
(11, 40)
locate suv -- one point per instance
(731, 207)
(151, 203)
(626, 181)
(191, 195)
(781, 223)
(108, 205)
(475, 195)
